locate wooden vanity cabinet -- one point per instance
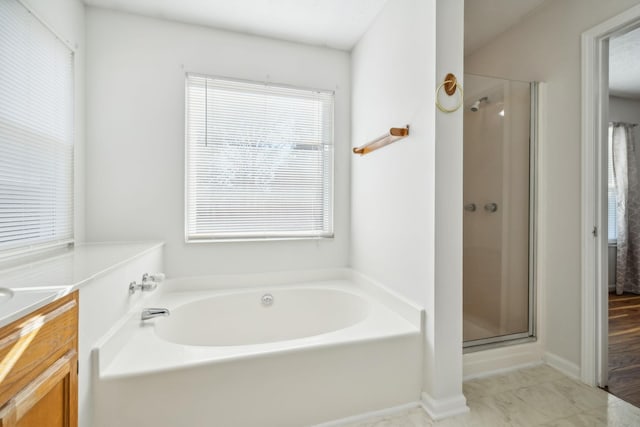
(39, 367)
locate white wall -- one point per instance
(392, 210)
(545, 46)
(135, 139)
(402, 193)
(443, 351)
(66, 18)
(624, 110)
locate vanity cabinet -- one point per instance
(39, 367)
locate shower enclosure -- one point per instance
(499, 207)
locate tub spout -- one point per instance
(150, 313)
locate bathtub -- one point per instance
(261, 316)
(275, 355)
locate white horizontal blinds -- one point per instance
(259, 160)
(612, 189)
(36, 132)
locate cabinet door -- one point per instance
(51, 400)
(31, 344)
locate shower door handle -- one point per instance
(470, 207)
(491, 207)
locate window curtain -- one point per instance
(625, 169)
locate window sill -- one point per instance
(25, 254)
(255, 239)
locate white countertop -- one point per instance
(40, 281)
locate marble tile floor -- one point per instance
(537, 396)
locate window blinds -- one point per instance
(36, 133)
(259, 160)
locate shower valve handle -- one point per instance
(491, 207)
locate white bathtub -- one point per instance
(241, 318)
(321, 351)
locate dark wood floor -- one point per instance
(624, 347)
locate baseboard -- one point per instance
(368, 415)
(444, 408)
(563, 365)
(500, 360)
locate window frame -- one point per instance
(256, 238)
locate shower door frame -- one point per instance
(530, 334)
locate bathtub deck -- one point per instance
(161, 356)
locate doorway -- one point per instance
(595, 192)
(623, 213)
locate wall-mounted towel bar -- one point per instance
(386, 139)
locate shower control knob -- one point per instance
(491, 207)
(470, 207)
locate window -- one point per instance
(259, 161)
(36, 134)
(612, 190)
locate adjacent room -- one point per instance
(326, 213)
(622, 210)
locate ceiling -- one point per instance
(624, 65)
(334, 23)
(341, 23)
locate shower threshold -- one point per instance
(497, 342)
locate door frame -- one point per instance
(595, 117)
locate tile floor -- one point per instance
(538, 396)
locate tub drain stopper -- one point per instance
(267, 300)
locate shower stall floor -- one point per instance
(472, 330)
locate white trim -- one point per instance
(500, 360)
(563, 365)
(588, 218)
(438, 409)
(502, 371)
(26, 251)
(593, 368)
(369, 415)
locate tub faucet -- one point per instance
(150, 313)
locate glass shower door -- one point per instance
(498, 202)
